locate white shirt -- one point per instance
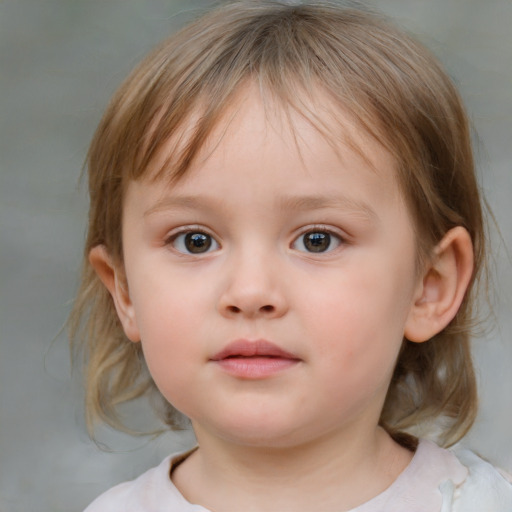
(436, 480)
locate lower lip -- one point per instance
(255, 367)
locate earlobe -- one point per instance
(113, 279)
(442, 286)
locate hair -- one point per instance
(384, 79)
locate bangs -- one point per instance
(294, 56)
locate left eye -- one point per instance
(194, 242)
(317, 241)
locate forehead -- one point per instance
(301, 156)
(260, 116)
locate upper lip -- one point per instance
(247, 348)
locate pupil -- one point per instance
(317, 242)
(197, 242)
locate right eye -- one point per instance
(193, 242)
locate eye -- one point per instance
(193, 242)
(317, 241)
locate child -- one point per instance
(285, 232)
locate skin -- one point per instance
(306, 437)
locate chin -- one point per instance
(269, 434)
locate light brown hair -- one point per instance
(395, 90)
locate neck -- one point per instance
(328, 474)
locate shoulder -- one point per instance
(484, 488)
(135, 495)
(153, 490)
(442, 480)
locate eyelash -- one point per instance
(191, 230)
(324, 230)
(327, 235)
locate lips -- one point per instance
(254, 359)
(258, 348)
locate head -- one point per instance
(362, 68)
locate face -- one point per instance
(271, 286)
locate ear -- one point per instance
(114, 280)
(442, 286)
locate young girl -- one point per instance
(285, 232)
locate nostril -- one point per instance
(236, 310)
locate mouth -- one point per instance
(258, 359)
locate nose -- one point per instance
(253, 288)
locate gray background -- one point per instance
(60, 60)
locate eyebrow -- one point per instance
(290, 203)
(325, 202)
(175, 202)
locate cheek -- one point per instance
(358, 320)
(166, 302)
(172, 357)
(360, 304)
(168, 325)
